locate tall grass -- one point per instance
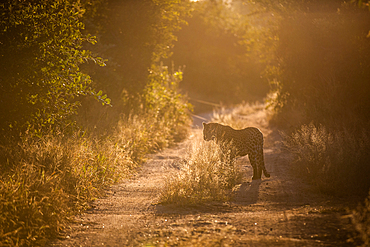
(45, 181)
(334, 161)
(206, 174)
(49, 180)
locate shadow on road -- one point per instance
(247, 193)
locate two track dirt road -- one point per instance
(275, 211)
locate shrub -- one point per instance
(42, 55)
(335, 161)
(206, 174)
(164, 103)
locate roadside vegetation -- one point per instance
(335, 162)
(88, 88)
(206, 174)
(64, 140)
(47, 180)
(315, 56)
(319, 75)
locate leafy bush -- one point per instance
(47, 178)
(41, 47)
(206, 174)
(164, 102)
(334, 161)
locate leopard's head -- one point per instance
(209, 131)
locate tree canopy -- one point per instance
(47, 55)
(41, 53)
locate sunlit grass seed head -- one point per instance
(204, 175)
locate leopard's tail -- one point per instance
(267, 175)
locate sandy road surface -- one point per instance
(275, 211)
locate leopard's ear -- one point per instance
(204, 124)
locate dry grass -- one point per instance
(334, 161)
(45, 181)
(206, 174)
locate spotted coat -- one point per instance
(248, 141)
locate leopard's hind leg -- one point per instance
(254, 162)
(261, 163)
(258, 164)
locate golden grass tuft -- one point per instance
(206, 174)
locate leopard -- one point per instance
(238, 143)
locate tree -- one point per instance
(135, 36)
(41, 53)
(218, 49)
(322, 65)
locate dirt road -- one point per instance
(275, 211)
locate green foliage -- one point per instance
(41, 47)
(206, 175)
(164, 102)
(171, 19)
(134, 36)
(48, 178)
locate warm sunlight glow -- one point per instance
(158, 122)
